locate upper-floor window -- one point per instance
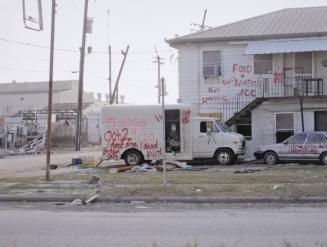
(303, 63)
(263, 64)
(211, 63)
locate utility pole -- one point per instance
(80, 82)
(53, 15)
(158, 60)
(164, 167)
(109, 53)
(202, 26)
(115, 91)
(203, 20)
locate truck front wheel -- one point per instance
(224, 156)
(133, 157)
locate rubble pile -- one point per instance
(150, 167)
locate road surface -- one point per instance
(161, 225)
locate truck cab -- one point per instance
(213, 139)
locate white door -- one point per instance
(206, 139)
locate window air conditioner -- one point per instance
(211, 71)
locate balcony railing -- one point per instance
(271, 87)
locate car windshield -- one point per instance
(223, 126)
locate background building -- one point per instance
(262, 65)
(31, 96)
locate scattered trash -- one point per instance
(94, 180)
(278, 186)
(53, 166)
(137, 202)
(77, 202)
(144, 168)
(124, 168)
(142, 207)
(113, 170)
(76, 161)
(198, 190)
(153, 166)
(248, 171)
(92, 199)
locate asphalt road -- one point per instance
(161, 225)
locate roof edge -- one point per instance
(246, 38)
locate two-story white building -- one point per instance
(265, 75)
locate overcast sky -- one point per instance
(142, 24)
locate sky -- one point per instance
(142, 24)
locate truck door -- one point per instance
(206, 139)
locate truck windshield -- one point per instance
(222, 126)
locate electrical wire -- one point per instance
(74, 51)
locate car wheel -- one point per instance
(133, 157)
(224, 157)
(323, 158)
(270, 158)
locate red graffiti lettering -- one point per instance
(116, 141)
(303, 148)
(125, 122)
(242, 69)
(214, 99)
(213, 90)
(158, 117)
(186, 117)
(153, 154)
(248, 92)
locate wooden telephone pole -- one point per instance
(115, 91)
(53, 16)
(81, 82)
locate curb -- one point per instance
(190, 200)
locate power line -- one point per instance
(71, 50)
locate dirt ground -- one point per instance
(34, 164)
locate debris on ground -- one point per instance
(92, 198)
(248, 171)
(53, 166)
(77, 202)
(76, 161)
(149, 166)
(278, 186)
(144, 168)
(94, 180)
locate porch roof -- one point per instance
(287, 46)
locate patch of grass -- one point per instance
(295, 181)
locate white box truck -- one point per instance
(134, 133)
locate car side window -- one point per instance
(297, 139)
(208, 126)
(315, 139)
